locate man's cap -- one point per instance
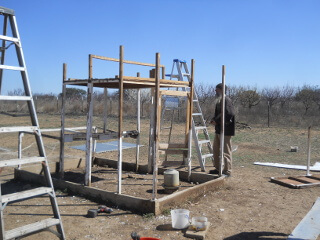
(220, 86)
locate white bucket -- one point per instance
(180, 218)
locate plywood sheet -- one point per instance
(107, 146)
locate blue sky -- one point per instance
(263, 43)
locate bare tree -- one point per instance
(286, 94)
(205, 93)
(145, 96)
(234, 93)
(249, 98)
(16, 92)
(316, 97)
(271, 95)
(306, 96)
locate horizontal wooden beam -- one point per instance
(124, 61)
(172, 145)
(174, 93)
(172, 151)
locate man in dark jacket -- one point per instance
(229, 131)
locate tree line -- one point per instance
(267, 106)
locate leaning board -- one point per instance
(298, 181)
(309, 227)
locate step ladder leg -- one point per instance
(20, 232)
(53, 200)
(2, 232)
(3, 49)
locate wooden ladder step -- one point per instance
(26, 194)
(20, 161)
(18, 129)
(31, 228)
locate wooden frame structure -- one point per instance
(121, 82)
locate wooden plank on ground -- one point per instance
(307, 179)
(297, 181)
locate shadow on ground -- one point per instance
(257, 235)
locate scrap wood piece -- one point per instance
(309, 227)
(298, 181)
(190, 233)
(315, 167)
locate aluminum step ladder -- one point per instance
(199, 129)
(55, 221)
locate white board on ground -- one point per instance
(315, 167)
(309, 227)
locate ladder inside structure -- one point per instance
(199, 129)
(13, 40)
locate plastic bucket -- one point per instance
(180, 218)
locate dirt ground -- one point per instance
(248, 206)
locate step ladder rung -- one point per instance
(204, 141)
(174, 76)
(166, 128)
(11, 39)
(207, 155)
(15, 98)
(18, 129)
(196, 114)
(195, 100)
(186, 74)
(200, 128)
(20, 161)
(12, 68)
(31, 228)
(25, 194)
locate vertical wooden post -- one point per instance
(268, 114)
(152, 125)
(156, 128)
(187, 125)
(57, 104)
(89, 140)
(222, 120)
(138, 125)
(163, 72)
(63, 109)
(105, 109)
(94, 146)
(120, 135)
(309, 151)
(190, 106)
